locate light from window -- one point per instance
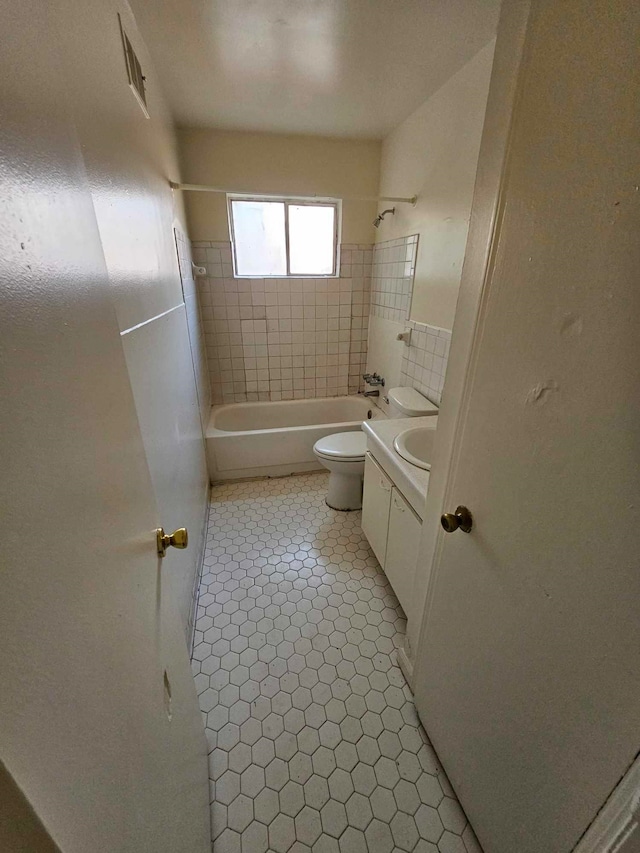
(259, 241)
(288, 237)
(311, 239)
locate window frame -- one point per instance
(335, 203)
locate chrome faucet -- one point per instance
(373, 379)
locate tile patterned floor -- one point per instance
(314, 740)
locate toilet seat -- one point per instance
(347, 446)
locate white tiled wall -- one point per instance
(394, 263)
(424, 362)
(281, 339)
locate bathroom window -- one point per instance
(283, 237)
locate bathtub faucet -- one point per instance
(375, 393)
(373, 379)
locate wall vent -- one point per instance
(134, 70)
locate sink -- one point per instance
(416, 446)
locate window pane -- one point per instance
(260, 247)
(311, 236)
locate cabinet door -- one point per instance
(402, 548)
(375, 507)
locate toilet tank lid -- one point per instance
(411, 402)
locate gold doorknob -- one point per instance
(178, 539)
(461, 519)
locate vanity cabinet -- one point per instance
(392, 528)
(376, 502)
(403, 541)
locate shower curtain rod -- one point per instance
(203, 188)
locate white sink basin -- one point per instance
(416, 446)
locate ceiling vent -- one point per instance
(134, 71)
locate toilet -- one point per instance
(409, 403)
(342, 453)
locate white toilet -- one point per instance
(343, 452)
(409, 403)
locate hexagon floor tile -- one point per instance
(314, 741)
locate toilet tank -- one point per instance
(409, 403)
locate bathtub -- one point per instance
(275, 439)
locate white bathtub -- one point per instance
(275, 439)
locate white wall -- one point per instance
(129, 161)
(278, 164)
(433, 154)
(84, 633)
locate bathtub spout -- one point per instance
(375, 393)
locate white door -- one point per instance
(129, 157)
(162, 380)
(527, 674)
(99, 725)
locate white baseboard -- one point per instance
(191, 627)
(405, 665)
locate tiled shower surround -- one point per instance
(394, 264)
(424, 361)
(283, 339)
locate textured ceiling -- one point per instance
(352, 68)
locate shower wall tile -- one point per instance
(283, 339)
(424, 361)
(393, 270)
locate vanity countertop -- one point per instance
(410, 480)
